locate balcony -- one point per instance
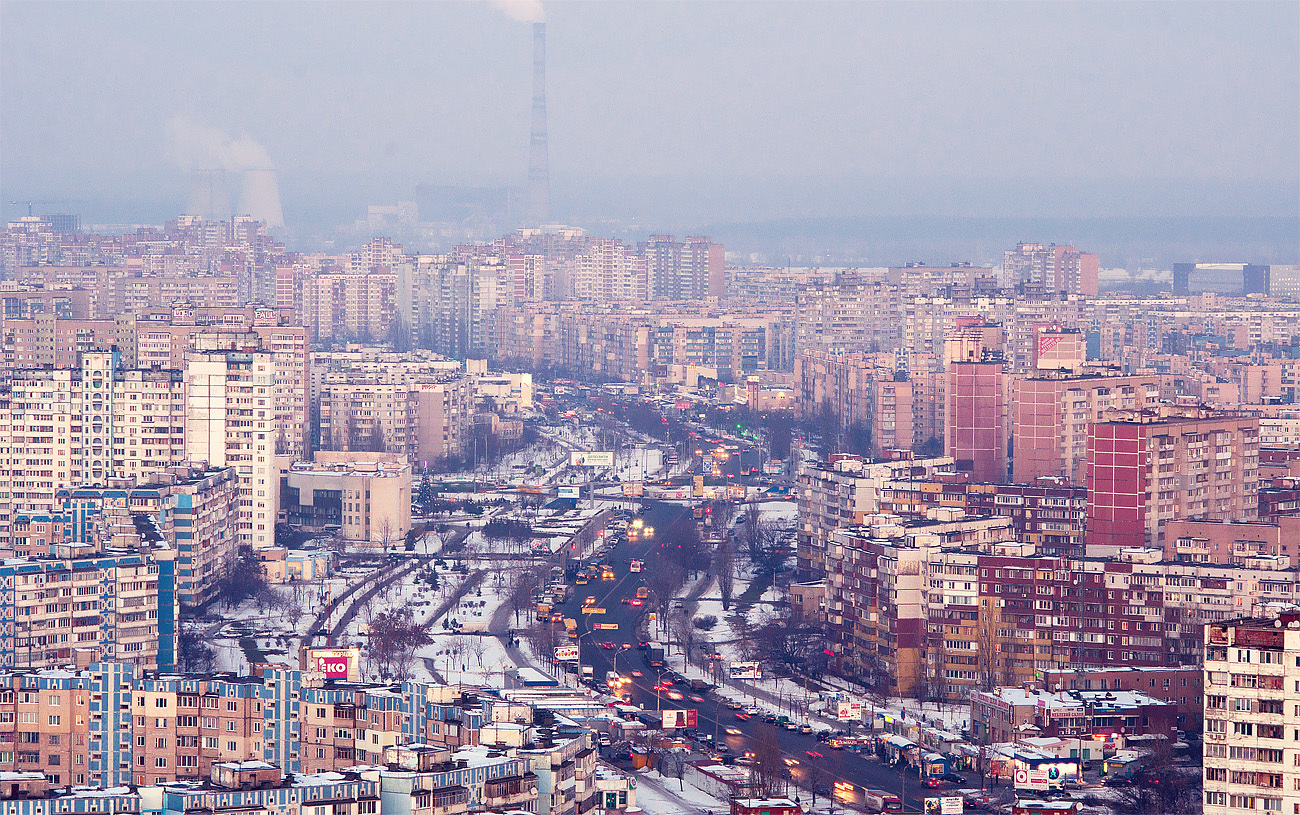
(510, 792)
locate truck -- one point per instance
(635, 566)
(544, 612)
(642, 592)
(571, 627)
(655, 655)
(588, 673)
(881, 801)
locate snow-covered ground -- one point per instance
(659, 795)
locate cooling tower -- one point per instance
(260, 197)
(539, 173)
(209, 195)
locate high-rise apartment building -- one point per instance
(1051, 413)
(1252, 712)
(1047, 269)
(230, 422)
(842, 494)
(1147, 468)
(59, 425)
(975, 426)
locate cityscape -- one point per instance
(486, 473)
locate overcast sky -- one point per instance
(723, 110)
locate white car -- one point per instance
(753, 711)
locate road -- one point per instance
(833, 765)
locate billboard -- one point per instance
(744, 670)
(947, 805)
(633, 489)
(697, 487)
(847, 709)
(591, 459)
(566, 653)
(334, 663)
(678, 719)
(569, 492)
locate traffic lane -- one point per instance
(835, 765)
(609, 594)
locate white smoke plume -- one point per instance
(523, 11)
(198, 147)
(210, 155)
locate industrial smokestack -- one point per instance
(539, 173)
(209, 195)
(260, 197)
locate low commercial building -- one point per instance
(365, 497)
(1011, 714)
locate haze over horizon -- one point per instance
(667, 115)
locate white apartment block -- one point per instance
(57, 431)
(1252, 716)
(230, 422)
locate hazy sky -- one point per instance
(717, 111)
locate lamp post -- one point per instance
(580, 636)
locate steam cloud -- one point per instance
(523, 11)
(210, 154)
(195, 147)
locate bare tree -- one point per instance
(477, 647)
(767, 772)
(385, 533)
(724, 561)
(673, 765)
(293, 612)
(520, 596)
(456, 648)
(394, 638)
(989, 668)
(542, 639)
(680, 625)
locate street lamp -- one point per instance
(580, 636)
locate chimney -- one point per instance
(260, 197)
(539, 173)
(209, 195)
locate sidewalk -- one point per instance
(667, 798)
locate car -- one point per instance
(791, 725)
(627, 601)
(735, 731)
(743, 715)
(805, 728)
(590, 601)
(674, 695)
(609, 646)
(823, 735)
(636, 602)
(813, 754)
(697, 699)
(753, 711)
(954, 778)
(734, 705)
(770, 718)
